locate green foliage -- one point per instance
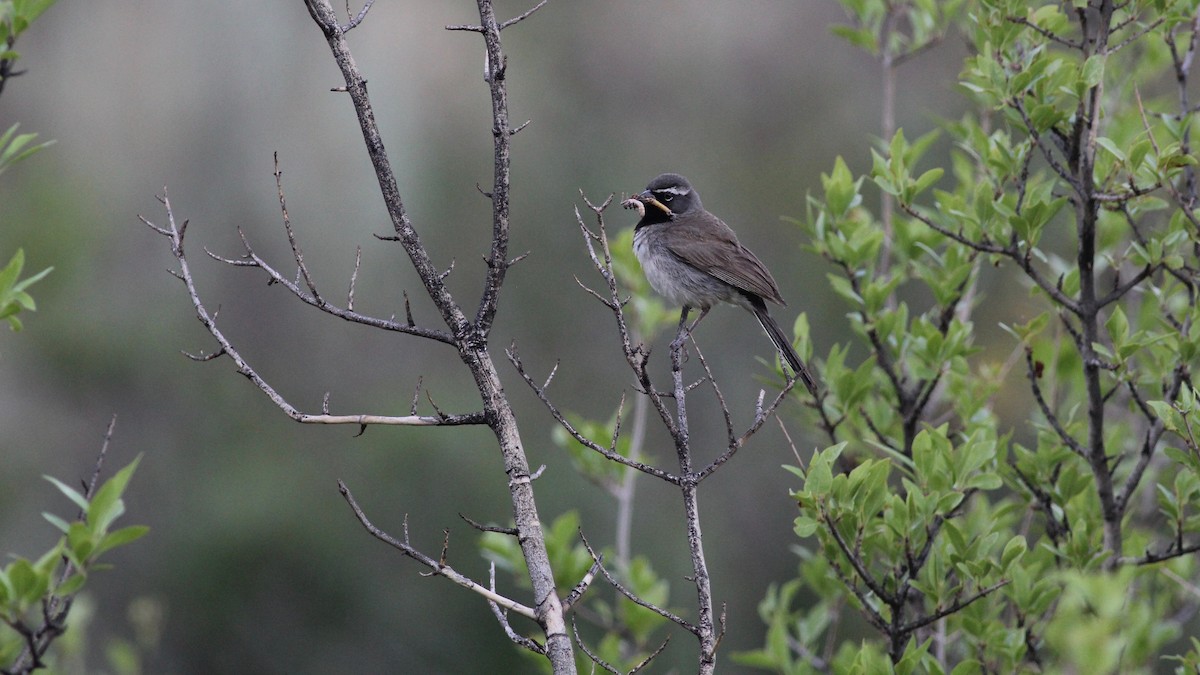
(13, 297)
(594, 466)
(874, 24)
(14, 147)
(961, 540)
(628, 632)
(16, 15)
(35, 594)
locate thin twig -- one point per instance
(437, 568)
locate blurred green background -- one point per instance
(253, 558)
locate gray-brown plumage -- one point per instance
(695, 260)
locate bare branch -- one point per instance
(1120, 291)
(254, 260)
(633, 597)
(226, 348)
(1053, 37)
(595, 659)
(524, 16)
(511, 531)
(291, 235)
(405, 421)
(646, 661)
(580, 588)
(1067, 438)
(502, 616)
(354, 22)
(954, 607)
(437, 568)
(515, 359)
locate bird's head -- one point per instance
(667, 196)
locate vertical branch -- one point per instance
(471, 338)
(625, 490)
(356, 86)
(705, 630)
(1087, 210)
(887, 127)
(497, 261)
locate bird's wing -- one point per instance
(708, 244)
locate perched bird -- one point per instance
(695, 260)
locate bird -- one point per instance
(695, 260)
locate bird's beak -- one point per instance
(646, 197)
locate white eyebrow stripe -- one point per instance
(677, 191)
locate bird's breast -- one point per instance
(674, 278)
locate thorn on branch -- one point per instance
(550, 377)
(154, 227)
(605, 301)
(443, 275)
(483, 192)
(445, 547)
(436, 409)
(526, 15)
(516, 130)
(537, 474)
(202, 356)
(412, 409)
(354, 278)
(325, 404)
(386, 237)
(597, 209)
(510, 531)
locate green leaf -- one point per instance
(8, 275)
(107, 506)
(31, 9)
(13, 150)
(121, 537)
(928, 178)
(844, 288)
(820, 470)
(71, 493)
(859, 37)
(1117, 325)
(804, 526)
(1111, 147)
(71, 586)
(841, 190)
(57, 522)
(1013, 550)
(1093, 70)
(28, 584)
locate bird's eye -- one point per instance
(667, 198)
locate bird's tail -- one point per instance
(784, 345)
